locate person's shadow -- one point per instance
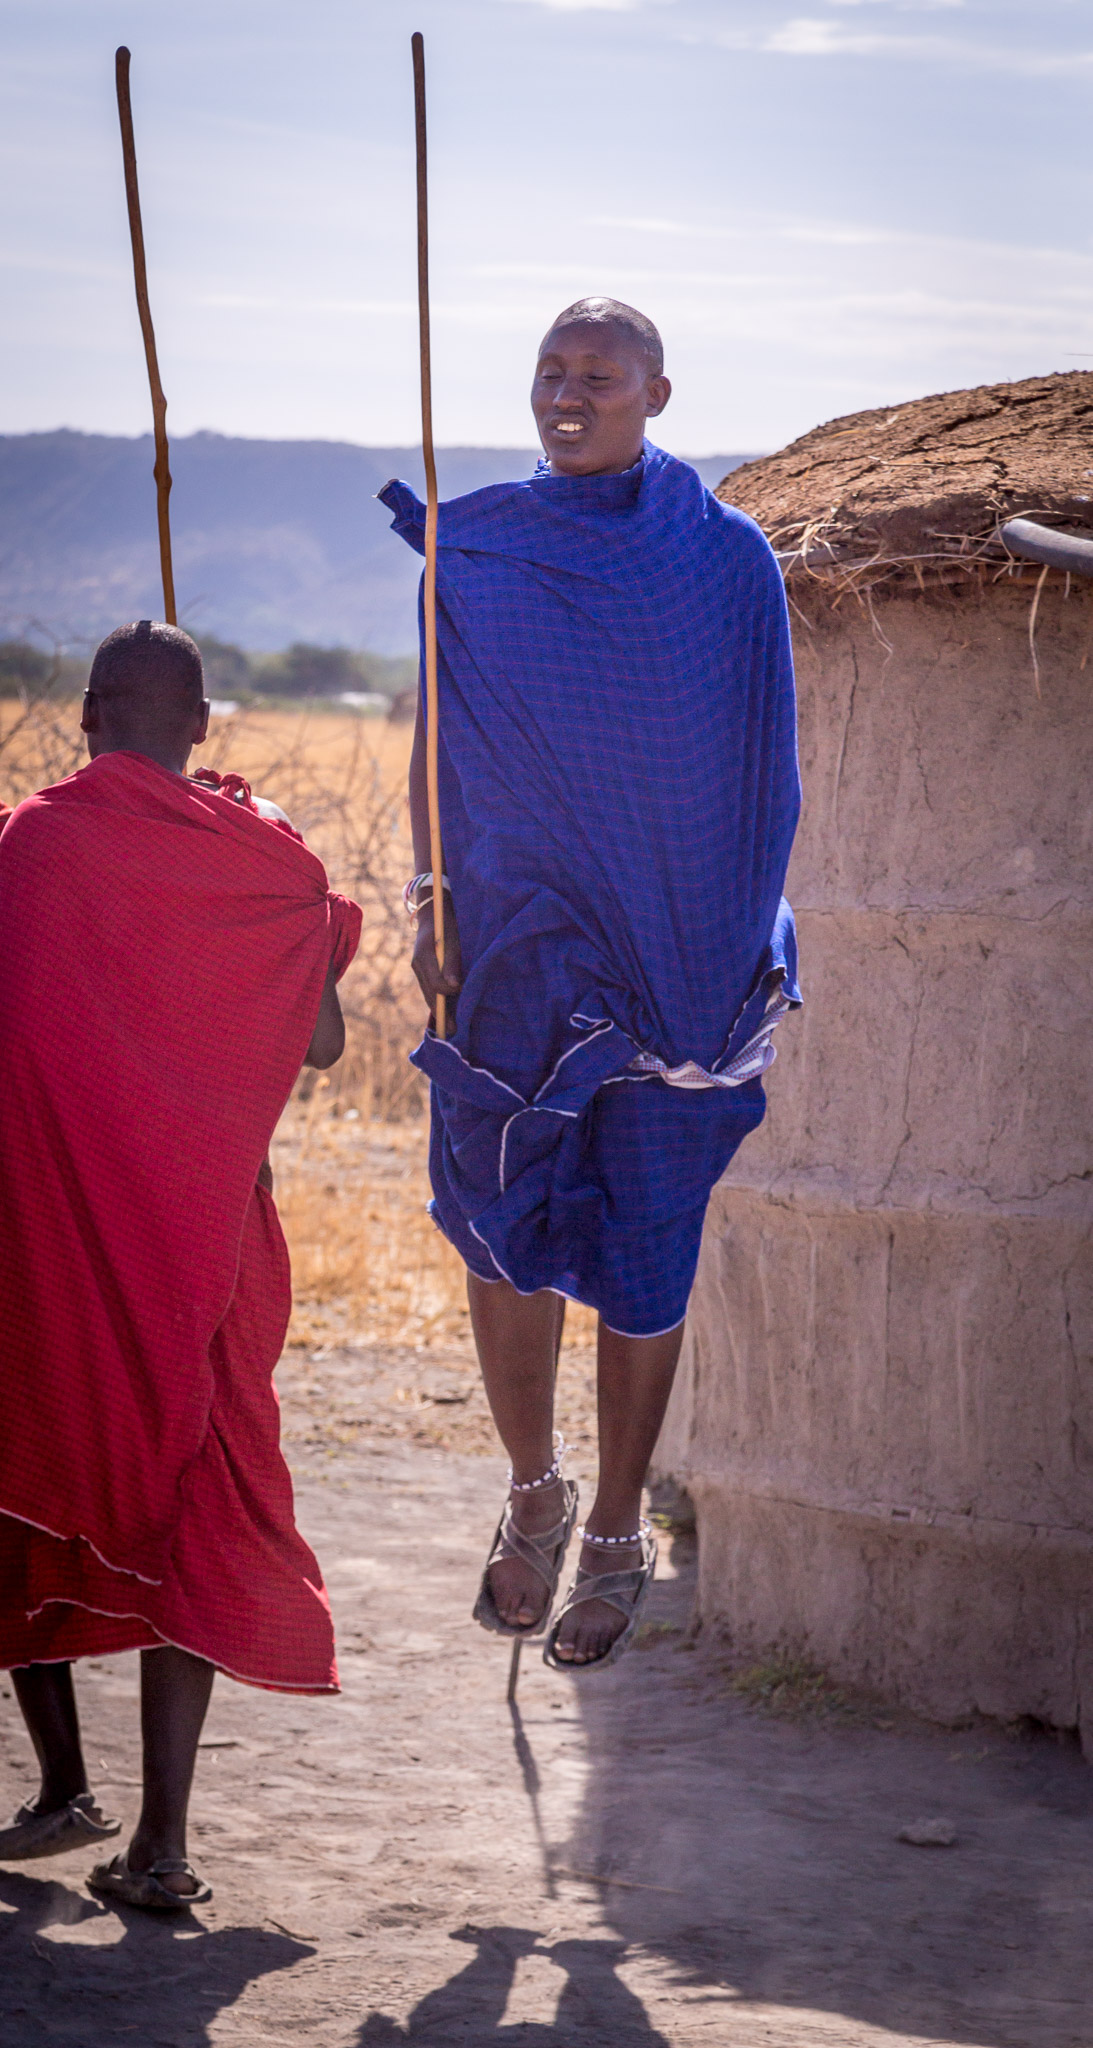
(160, 1979)
(594, 2006)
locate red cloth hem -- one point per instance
(241, 1588)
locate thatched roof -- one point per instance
(918, 490)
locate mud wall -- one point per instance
(885, 1408)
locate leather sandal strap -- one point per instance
(616, 1589)
(86, 1812)
(625, 1591)
(540, 1551)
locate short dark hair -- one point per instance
(148, 669)
(613, 313)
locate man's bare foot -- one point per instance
(587, 1632)
(519, 1593)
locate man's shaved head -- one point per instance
(613, 313)
(149, 669)
(146, 693)
(599, 378)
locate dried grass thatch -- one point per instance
(913, 494)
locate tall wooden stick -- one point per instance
(432, 772)
(161, 472)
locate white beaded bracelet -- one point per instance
(410, 901)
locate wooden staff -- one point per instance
(432, 775)
(161, 472)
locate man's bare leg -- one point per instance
(518, 1338)
(174, 1698)
(634, 1380)
(48, 1700)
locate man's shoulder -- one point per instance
(460, 520)
(745, 552)
(680, 491)
(38, 811)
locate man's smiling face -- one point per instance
(594, 390)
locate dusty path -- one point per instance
(640, 1859)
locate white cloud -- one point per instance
(304, 302)
(903, 6)
(837, 234)
(644, 225)
(587, 6)
(805, 36)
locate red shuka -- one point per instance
(163, 956)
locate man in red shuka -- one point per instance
(170, 958)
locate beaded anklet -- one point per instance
(617, 1542)
(548, 1478)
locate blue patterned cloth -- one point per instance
(619, 794)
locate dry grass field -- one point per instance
(371, 1273)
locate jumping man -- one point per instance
(618, 797)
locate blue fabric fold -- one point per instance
(619, 793)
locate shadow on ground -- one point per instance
(633, 1859)
(761, 1855)
(593, 2005)
(136, 1985)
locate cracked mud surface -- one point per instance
(634, 1860)
(923, 475)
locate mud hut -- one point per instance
(885, 1412)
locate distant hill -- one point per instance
(274, 541)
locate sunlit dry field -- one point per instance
(370, 1271)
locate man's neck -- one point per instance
(613, 469)
(173, 758)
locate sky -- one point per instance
(825, 205)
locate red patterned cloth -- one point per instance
(241, 1586)
(164, 955)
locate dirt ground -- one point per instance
(642, 1858)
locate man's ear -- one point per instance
(200, 732)
(89, 716)
(657, 393)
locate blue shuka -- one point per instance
(618, 798)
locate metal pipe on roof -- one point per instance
(1070, 551)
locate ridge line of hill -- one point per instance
(274, 542)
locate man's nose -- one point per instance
(569, 392)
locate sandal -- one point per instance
(115, 1880)
(544, 1552)
(34, 1834)
(626, 1591)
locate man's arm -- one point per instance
(327, 1045)
(430, 978)
(328, 1037)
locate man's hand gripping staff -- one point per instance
(438, 978)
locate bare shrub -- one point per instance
(40, 737)
(342, 780)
